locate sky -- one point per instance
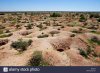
(49, 5)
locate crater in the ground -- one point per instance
(61, 44)
(3, 41)
(60, 50)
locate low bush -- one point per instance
(75, 31)
(72, 35)
(82, 18)
(94, 39)
(29, 26)
(98, 20)
(7, 31)
(37, 60)
(6, 35)
(1, 31)
(55, 15)
(96, 32)
(43, 36)
(89, 50)
(40, 26)
(83, 53)
(17, 26)
(21, 45)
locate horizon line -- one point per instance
(49, 11)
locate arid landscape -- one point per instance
(49, 39)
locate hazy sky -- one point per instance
(49, 5)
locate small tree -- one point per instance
(82, 18)
(55, 15)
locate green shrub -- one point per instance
(72, 35)
(75, 31)
(91, 16)
(29, 26)
(40, 26)
(7, 31)
(94, 39)
(55, 15)
(17, 26)
(29, 42)
(43, 36)
(80, 30)
(93, 31)
(1, 31)
(96, 32)
(6, 35)
(37, 60)
(98, 20)
(89, 50)
(96, 15)
(21, 45)
(83, 53)
(82, 18)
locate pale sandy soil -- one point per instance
(50, 46)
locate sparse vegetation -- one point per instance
(83, 53)
(75, 31)
(37, 60)
(94, 39)
(94, 31)
(17, 26)
(21, 45)
(53, 35)
(89, 50)
(98, 20)
(72, 35)
(55, 15)
(43, 36)
(29, 26)
(40, 26)
(6, 35)
(82, 18)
